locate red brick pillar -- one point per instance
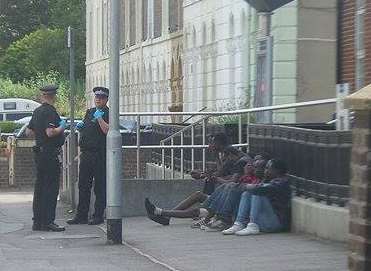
(360, 202)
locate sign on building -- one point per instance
(342, 114)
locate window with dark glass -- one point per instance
(133, 25)
(157, 18)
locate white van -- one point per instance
(15, 108)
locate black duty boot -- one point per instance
(96, 220)
(77, 220)
(52, 227)
(36, 226)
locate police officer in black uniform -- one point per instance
(48, 129)
(93, 130)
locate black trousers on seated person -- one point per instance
(92, 168)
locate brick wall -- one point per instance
(360, 204)
(346, 38)
(347, 43)
(130, 163)
(368, 43)
(4, 171)
(24, 166)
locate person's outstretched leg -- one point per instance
(196, 197)
(163, 216)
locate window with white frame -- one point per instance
(133, 22)
(144, 20)
(105, 28)
(175, 15)
(157, 18)
(122, 25)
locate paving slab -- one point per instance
(152, 247)
(184, 248)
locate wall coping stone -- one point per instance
(360, 100)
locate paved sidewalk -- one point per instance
(80, 247)
(149, 246)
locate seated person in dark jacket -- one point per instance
(265, 207)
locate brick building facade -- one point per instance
(354, 43)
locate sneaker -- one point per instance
(251, 229)
(198, 224)
(206, 225)
(235, 228)
(165, 221)
(218, 225)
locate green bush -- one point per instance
(40, 51)
(9, 126)
(3, 144)
(30, 90)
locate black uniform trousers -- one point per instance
(92, 166)
(46, 186)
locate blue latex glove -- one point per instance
(98, 114)
(62, 124)
(80, 125)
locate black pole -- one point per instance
(44, 12)
(72, 140)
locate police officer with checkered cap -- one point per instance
(93, 130)
(48, 129)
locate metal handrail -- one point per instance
(184, 129)
(234, 112)
(203, 120)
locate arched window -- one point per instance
(133, 76)
(194, 37)
(231, 26)
(164, 71)
(204, 34)
(243, 22)
(150, 73)
(157, 72)
(138, 75)
(213, 31)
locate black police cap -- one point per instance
(49, 89)
(101, 91)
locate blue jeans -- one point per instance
(259, 210)
(217, 199)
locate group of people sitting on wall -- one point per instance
(243, 196)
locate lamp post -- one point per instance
(72, 140)
(114, 141)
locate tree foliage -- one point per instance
(30, 90)
(39, 52)
(18, 18)
(23, 25)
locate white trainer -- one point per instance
(251, 229)
(235, 228)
